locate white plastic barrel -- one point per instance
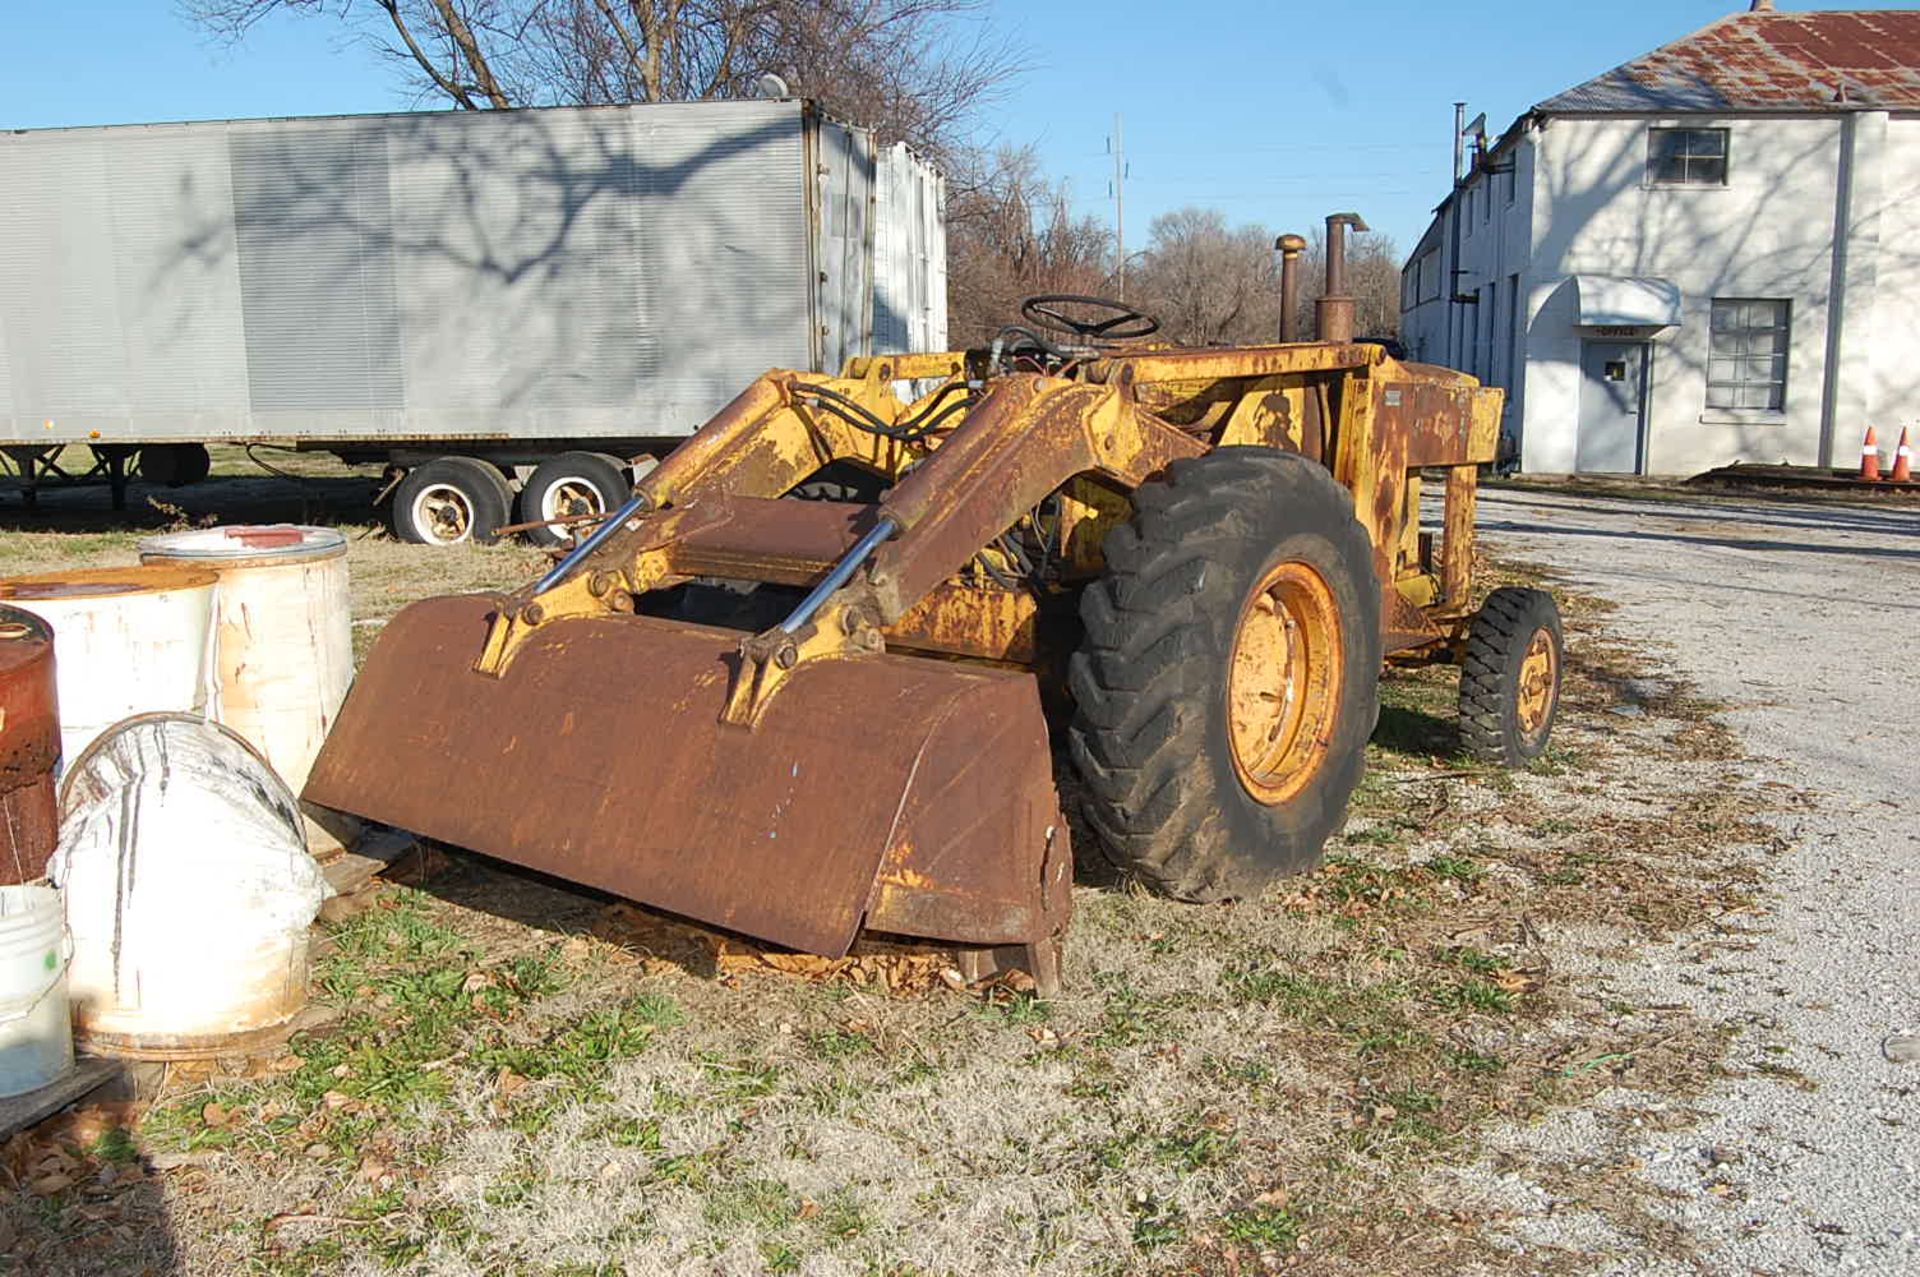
(189, 891)
(125, 640)
(283, 639)
(36, 1036)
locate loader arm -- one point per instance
(1025, 437)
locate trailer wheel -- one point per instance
(569, 484)
(175, 465)
(450, 500)
(1230, 674)
(1510, 677)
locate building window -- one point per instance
(1513, 332)
(1747, 357)
(1430, 277)
(1687, 157)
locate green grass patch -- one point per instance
(839, 1044)
(580, 1051)
(1157, 1224)
(752, 1203)
(1014, 1009)
(1195, 1144)
(1472, 994)
(1265, 1227)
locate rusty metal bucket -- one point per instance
(886, 792)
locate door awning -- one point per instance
(1627, 301)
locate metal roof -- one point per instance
(1839, 60)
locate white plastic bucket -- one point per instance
(125, 640)
(189, 891)
(36, 1036)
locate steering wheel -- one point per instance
(1123, 322)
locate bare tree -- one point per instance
(914, 69)
(1208, 282)
(1011, 233)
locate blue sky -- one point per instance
(1273, 112)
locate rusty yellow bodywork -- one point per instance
(1377, 423)
(908, 697)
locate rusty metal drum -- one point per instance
(29, 746)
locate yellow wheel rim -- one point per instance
(1538, 681)
(1283, 683)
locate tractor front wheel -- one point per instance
(1510, 677)
(1230, 674)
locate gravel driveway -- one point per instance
(1805, 618)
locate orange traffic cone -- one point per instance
(1902, 460)
(1870, 456)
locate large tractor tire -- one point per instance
(1510, 677)
(1230, 674)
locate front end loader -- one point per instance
(815, 676)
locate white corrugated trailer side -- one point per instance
(497, 286)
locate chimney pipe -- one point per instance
(1761, 6)
(1333, 313)
(1290, 247)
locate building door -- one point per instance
(1613, 408)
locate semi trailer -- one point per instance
(510, 311)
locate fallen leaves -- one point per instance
(50, 1184)
(661, 942)
(507, 1085)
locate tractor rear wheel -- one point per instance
(1229, 677)
(1510, 677)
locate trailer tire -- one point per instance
(1229, 678)
(1510, 677)
(451, 500)
(175, 465)
(571, 483)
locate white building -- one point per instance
(1707, 255)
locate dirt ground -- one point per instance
(1369, 1070)
(1801, 1158)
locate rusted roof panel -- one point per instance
(1834, 61)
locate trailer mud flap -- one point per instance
(902, 794)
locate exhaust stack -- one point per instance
(1333, 313)
(1290, 247)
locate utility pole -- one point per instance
(1118, 145)
(1459, 138)
(1450, 262)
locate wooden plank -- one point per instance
(87, 1076)
(373, 853)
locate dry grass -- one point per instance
(524, 1078)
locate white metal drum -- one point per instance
(283, 642)
(125, 640)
